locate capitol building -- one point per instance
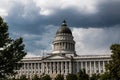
(63, 59)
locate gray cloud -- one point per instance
(26, 19)
(96, 40)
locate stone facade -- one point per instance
(63, 59)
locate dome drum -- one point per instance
(63, 41)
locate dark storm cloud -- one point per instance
(108, 15)
(27, 18)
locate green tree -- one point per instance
(105, 76)
(114, 64)
(23, 77)
(71, 77)
(82, 75)
(59, 77)
(46, 77)
(11, 52)
(95, 77)
(35, 77)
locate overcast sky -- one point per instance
(95, 23)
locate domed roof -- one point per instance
(64, 29)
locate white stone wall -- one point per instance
(54, 67)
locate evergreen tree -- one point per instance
(45, 77)
(23, 77)
(71, 77)
(35, 77)
(95, 77)
(59, 77)
(82, 75)
(105, 76)
(11, 52)
(113, 67)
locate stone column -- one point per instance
(43, 67)
(34, 68)
(86, 68)
(69, 46)
(65, 45)
(61, 67)
(53, 67)
(50, 68)
(81, 65)
(46, 67)
(70, 67)
(103, 66)
(38, 68)
(24, 66)
(77, 66)
(94, 67)
(56, 46)
(66, 67)
(62, 45)
(58, 68)
(99, 67)
(90, 68)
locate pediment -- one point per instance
(56, 56)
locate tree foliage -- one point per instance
(105, 76)
(35, 77)
(59, 77)
(114, 65)
(71, 77)
(95, 77)
(82, 75)
(11, 51)
(46, 77)
(23, 77)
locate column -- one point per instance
(63, 45)
(90, 68)
(38, 68)
(66, 69)
(58, 72)
(70, 46)
(43, 67)
(50, 69)
(103, 66)
(86, 68)
(57, 46)
(81, 65)
(53, 67)
(46, 67)
(61, 67)
(94, 67)
(70, 66)
(77, 66)
(34, 68)
(24, 66)
(99, 67)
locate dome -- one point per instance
(64, 29)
